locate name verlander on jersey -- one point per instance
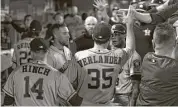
(99, 59)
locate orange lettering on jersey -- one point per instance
(24, 68)
(119, 60)
(84, 61)
(39, 69)
(111, 60)
(35, 69)
(89, 60)
(100, 59)
(80, 63)
(23, 45)
(106, 59)
(115, 60)
(95, 61)
(46, 72)
(30, 70)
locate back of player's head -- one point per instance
(164, 34)
(101, 33)
(35, 28)
(38, 44)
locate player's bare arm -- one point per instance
(135, 78)
(130, 38)
(135, 91)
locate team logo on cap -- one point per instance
(40, 46)
(100, 37)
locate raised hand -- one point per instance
(130, 15)
(100, 4)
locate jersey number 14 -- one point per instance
(39, 91)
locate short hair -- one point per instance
(49, 33)
(164, 32)
(26, 16)
(58, 13)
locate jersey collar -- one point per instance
(56, 49)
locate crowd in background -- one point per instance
(149, 76)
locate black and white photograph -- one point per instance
(89, 53)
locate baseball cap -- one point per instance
(35, 26)
(115, 8)
(119, 28)
(39, 44)
(102, 31)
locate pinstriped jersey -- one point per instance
(132, 67)
(21, 53)
(102, 67)
(38, 84)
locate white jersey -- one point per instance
(63, 61)
(21, 53)
(132, 67)
(102, 67)
(38, 84)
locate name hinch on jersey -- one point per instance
(99, 59)
(35, 69)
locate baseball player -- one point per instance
(60, 57)
(22, 53)
(38, 84)
(128, 80)
(159, 80)
(103, 65)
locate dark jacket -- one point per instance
(84, 42)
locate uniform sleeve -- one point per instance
(163, 15)
(50, 60)
(64, 87)
(135, 64)
(126, 54)
(74, 73)
(9, 86)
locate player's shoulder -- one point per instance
(136, 56)
(149, 55)
(119, 51)
(81, 54)
(50, 67)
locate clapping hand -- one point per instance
(101, 5)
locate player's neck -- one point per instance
(103, 46)
(165, 52)
(58, 45)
